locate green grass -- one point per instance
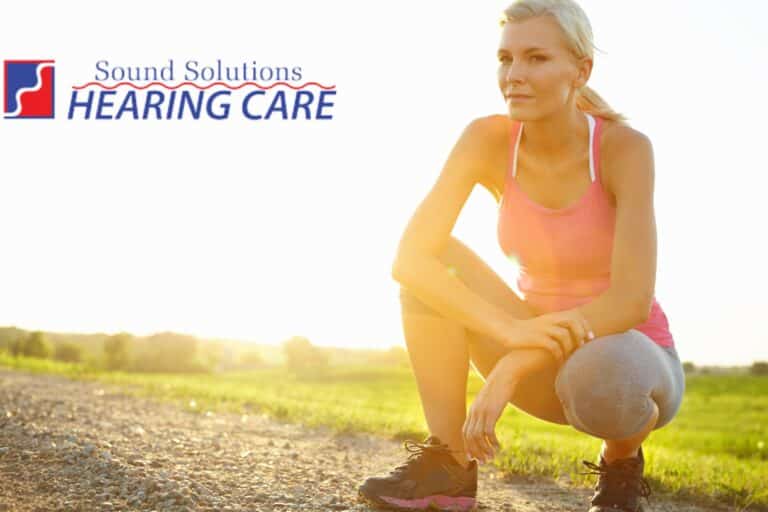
(715, 450)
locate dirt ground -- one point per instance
(67, 445)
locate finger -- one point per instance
(478, 437)
(490, 435)
(570, 341)
(557, 351)
(553, 347)
(588, 328)
(586, 331)
(578, 333)
(563, 337)
(470, 440)
(482, 441)
(576, 324)
(494, 440)
(465, 434)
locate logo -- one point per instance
(217, 90)
(28, 89)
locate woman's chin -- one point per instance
(519, 114)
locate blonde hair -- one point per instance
(577, 30)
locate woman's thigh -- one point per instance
(604, 388)
(535, 393)
(608, 385)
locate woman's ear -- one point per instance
(584, 71)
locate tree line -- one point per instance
(170, 352)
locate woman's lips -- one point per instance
(519, 98)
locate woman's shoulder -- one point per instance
(618, 133)
(617, 139)
(496, 124)
(492, 133)
(483, 140)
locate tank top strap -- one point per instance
(517, 129)
(595, 126)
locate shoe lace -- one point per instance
(418, 450)
(615, 480)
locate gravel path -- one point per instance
(74, 445)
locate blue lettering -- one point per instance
(225, 106)
(279, 99)
(103, 104)
(246, 100)
(104, 70)
(128, 105)
(323, 104)
(191, 66)
(298, 104)
(153, 104)
(169, 110)
(169, 69)
(186, 98)
(73, 103)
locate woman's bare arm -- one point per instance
(417, 265)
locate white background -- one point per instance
(261, 230)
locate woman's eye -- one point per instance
(536, 57)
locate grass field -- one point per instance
(715, 450)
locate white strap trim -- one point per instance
(592, 124)
(517, 144)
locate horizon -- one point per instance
(278, 344)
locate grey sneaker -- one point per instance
(620, 484)
(431, 477)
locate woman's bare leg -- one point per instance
(623, 448)
(440, 360)
(440, 348)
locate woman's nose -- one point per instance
(514, 74)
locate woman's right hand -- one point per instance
(560, 333)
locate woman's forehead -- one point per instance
(535, 33)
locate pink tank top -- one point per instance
(565, 254)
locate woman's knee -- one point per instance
(409, 303)
(602, 390)
(465, 265)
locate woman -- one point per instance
(589, 346)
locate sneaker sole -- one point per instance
(434, 502)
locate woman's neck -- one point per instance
(556, 138)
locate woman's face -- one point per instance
(534, 61)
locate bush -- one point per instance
(10, 338)
(68, 352)
(300, 354)
(169, 352)
(689, 367)
(36, 345)
(15, 347)
(250, 359)
(759, 368)
(117, 350)
(396, 355)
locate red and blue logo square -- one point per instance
(28, 88)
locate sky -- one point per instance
(260, 230)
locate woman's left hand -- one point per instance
(479, 434)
